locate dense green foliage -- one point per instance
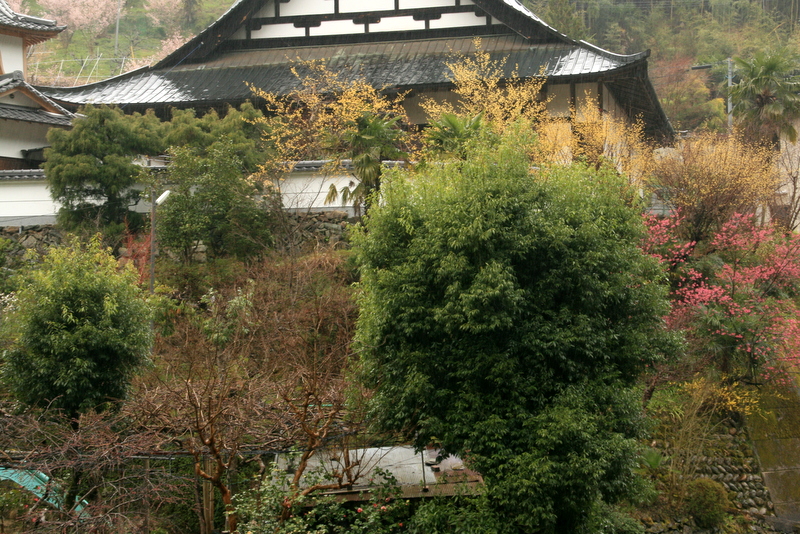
(505, 313)
(94, 173)
(79, 330)
(765, 99)
(213, 204)
(235, 129)
(707, 501)
(90, 168)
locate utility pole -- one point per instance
(730, 102)
(730, 85)
(116, 31)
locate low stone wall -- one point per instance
(733, 463)
(308, 230)
(298, 230)
(38, 238)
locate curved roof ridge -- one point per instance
(9, 17)
(614, 55)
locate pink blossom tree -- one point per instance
(734, 295)
(91, 17)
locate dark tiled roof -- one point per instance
(22, 175)
(33, 115)
(10, 19)
(404, 64)
(14, 80)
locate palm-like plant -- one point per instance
(374, 139)
(765, 99)
(451, 133)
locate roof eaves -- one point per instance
(207, 40)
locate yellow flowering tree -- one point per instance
(708, 178)
(331, 115)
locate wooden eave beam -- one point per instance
(30, 37)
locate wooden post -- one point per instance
(208, 498)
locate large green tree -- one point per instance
(505, 314)
(79, 329)
(90, 169)
(214, 204)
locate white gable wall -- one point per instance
(18, 98)
(12, 54)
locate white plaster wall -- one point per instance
(12, 54)
(307, 190)
(16, 136)
(278, 30)
(363, 6)
(391, 24)
(26, 203)
(412, 4)
(338, 27)
(306, 7)
(458, 20)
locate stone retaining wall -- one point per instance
(38, 238)
(731, 462)
(298, 230)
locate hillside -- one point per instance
(96, 45)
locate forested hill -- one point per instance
(680, 33)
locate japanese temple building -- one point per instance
(396, 45)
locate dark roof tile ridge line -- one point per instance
(6, 10)
(22, 174)
(515, 4)
(317, 164)
(78, 88)
(190, 46)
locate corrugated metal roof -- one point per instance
(392, 64)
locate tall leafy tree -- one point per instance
(80, 329)
(90, 168)
(766, 99)
(373, 140)
(213, 204)
(505, 314)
